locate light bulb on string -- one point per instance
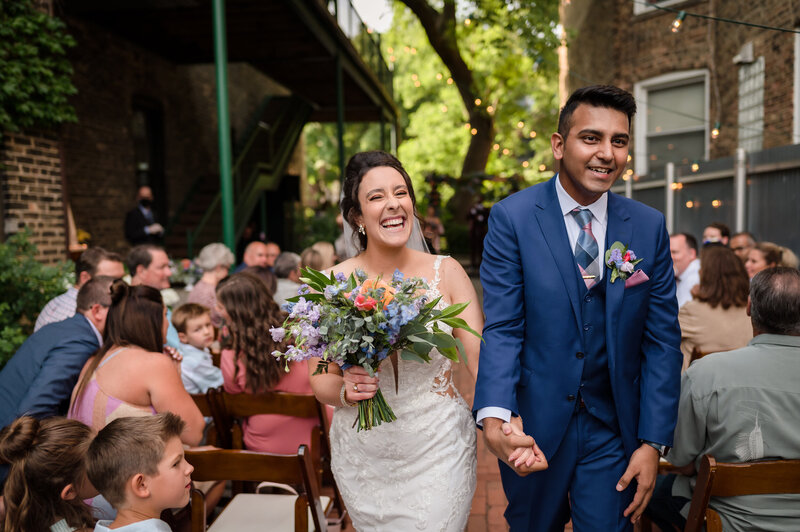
(678, 22)
(715, 131)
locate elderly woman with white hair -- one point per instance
(215, 260)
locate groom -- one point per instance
(586, 355)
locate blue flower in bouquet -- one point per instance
(408, 313)
(342, 278)
(397, 276)
(303, 290)
(331, 291)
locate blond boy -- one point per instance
(196, 333)
(138, 465)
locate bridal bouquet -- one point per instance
(359, 321)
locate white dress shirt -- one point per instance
(686, 281)
(599, 210)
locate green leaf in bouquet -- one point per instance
(408, 354)
(450, 352)
(461, 350)
(422, 347)
(452, 310)
(458, 323)
(411, 328)
(317, 277)
(307, 297)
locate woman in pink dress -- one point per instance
(130, 375)
(249, 310)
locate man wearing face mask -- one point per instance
(141, 226)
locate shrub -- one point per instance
(27, 285)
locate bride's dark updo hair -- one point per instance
(357, 167)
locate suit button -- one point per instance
(579, 355)
(586, 327)
(570, 397)
(588, 299)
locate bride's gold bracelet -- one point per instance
(342, 397)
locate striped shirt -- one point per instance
(58, 309)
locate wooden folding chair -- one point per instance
(303, 512)
(229, 409)
(717, 479)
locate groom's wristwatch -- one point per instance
(662, 449)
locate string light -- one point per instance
(689, 204)
(406, 49)
(413, 51)
(449, 81)
(626, 177)
(525, 164)
(629, 157)
(695, 167)
(467, 125)
(477, 101)
(716, 203)
(676, 186)
(496, 147)
(444, 108)
(506, 151)
(651, 4)
(532, 134)
(715, 131)
(439, 76)
(414, 77)
(392, 59)
(390, 50)
(490, 109)
(417, 83)
(369, 30)
(467, 22)
(520, 124)
(542, 167)
(473, 131)
(678, 22)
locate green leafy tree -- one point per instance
(27, 286)
(35, 82)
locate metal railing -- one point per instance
(364, 40)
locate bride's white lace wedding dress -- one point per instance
(417, 472)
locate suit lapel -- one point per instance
(619, 230)
(551, 222)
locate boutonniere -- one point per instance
(621, 261)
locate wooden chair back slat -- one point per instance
(717, 479)
(238, 465)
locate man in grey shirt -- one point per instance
(287, 269)
(740, 406)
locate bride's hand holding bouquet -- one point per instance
(357, 322)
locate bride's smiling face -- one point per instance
(387, 211)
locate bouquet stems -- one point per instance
(373, 412)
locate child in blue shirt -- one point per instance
(196, 333)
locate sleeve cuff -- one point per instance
(492, 411)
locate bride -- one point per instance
(418, 472)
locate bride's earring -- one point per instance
(361, 229)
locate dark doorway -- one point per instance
(147, 130)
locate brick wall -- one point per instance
(32, 196)
(643, 47)
(110, 73)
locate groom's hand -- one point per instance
(510, 444)
(644, 468)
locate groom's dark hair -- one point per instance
(596, 96)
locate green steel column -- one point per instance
(340, 113)
(225, 157)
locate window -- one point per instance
(671, 120)
(751, 105)
(639, 6)
(796, 126)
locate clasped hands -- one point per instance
(509, 443)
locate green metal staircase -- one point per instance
(263, 154)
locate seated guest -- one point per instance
(198, 372)
(716, 232)
(138, 465)
(287, 268)
(764, 255)
(47, 483)
(716, 318)
(255, 254)
(327, 253)
(39, 378)
(148, 265)
(740, 406)
(250, 368)
(683, 248)
(266, 275)
(130, 376)
(215, 260)
(93, 261)
(311, 258)
(741, 244)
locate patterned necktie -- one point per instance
(586, 247)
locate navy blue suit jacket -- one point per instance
(39, 378)
(533, 329)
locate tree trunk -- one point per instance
(440, 27)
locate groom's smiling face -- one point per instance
(594, 153)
